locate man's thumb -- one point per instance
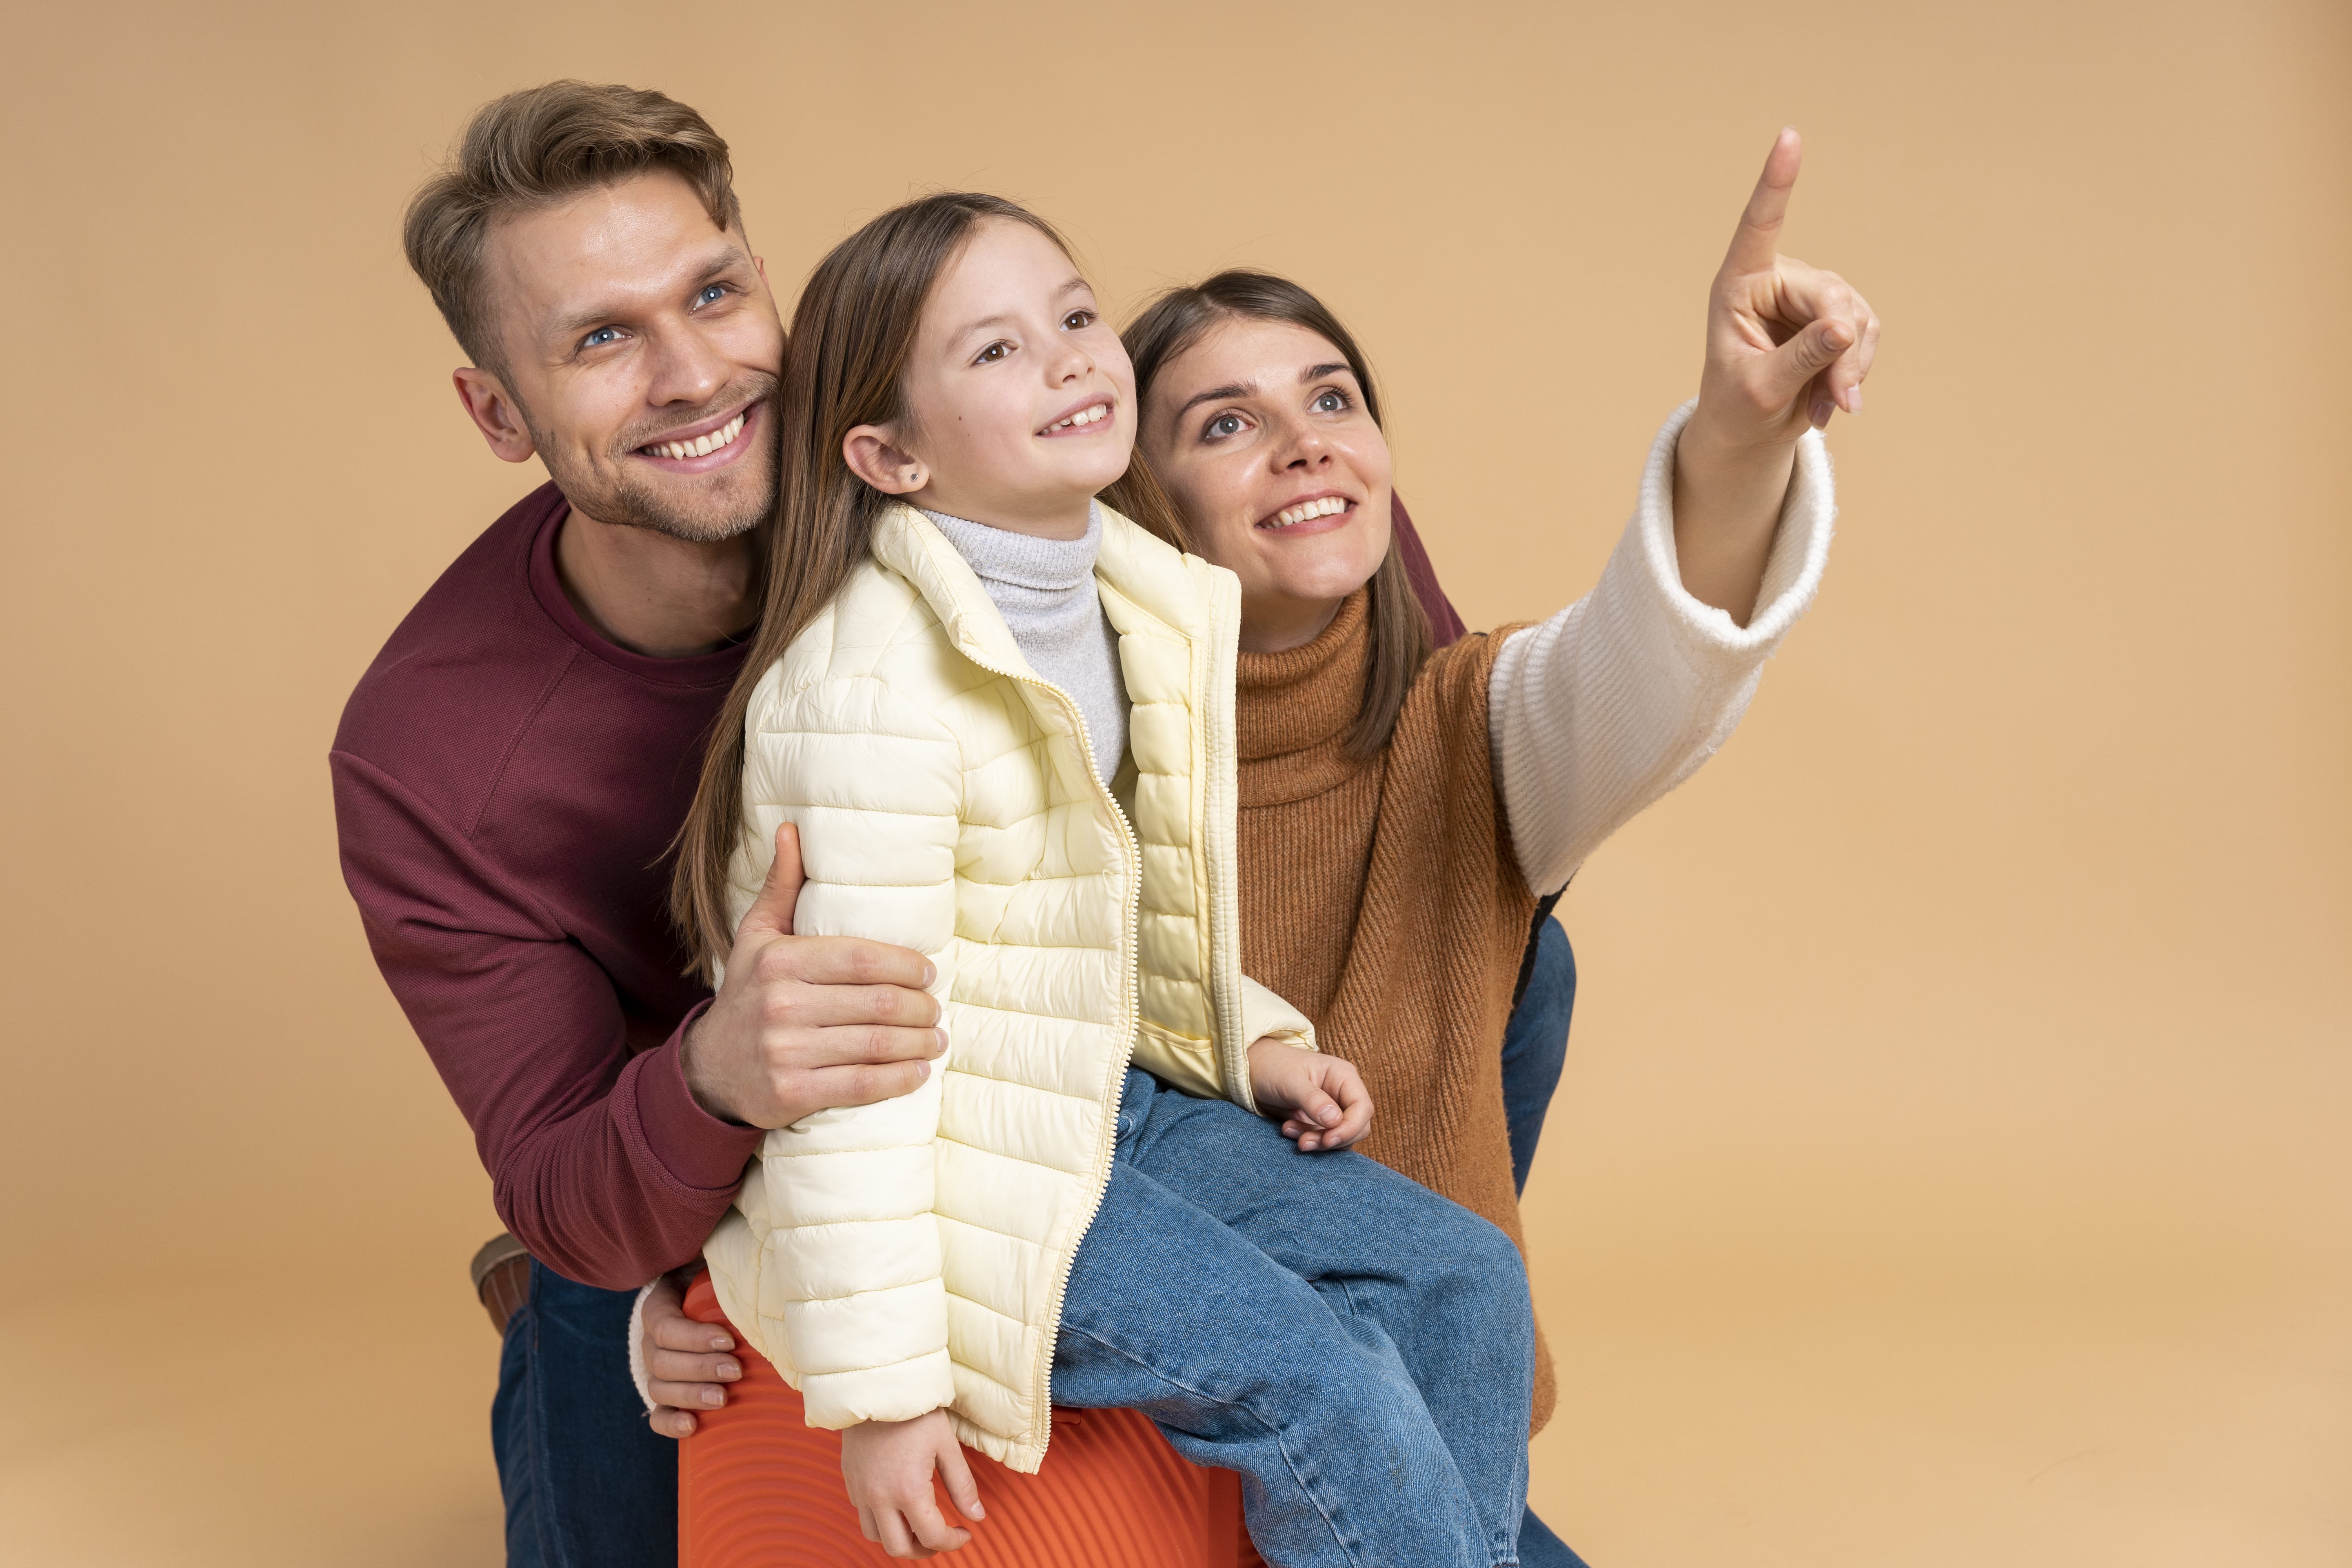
(771, 913)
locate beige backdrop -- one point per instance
(1951, 1166)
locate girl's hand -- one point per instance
(1328, 1106)
(889, 1465)
(1787, 346)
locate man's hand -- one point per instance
(887, 1466)
(1327, 1105)
(804, 1023)
(686, 1364)
(1787, 345)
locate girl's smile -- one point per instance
(1089, 418)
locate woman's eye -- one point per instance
(1331, 403)
(600, 337)
(1077, 320)
(1223, 425)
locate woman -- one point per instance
(1424, 803)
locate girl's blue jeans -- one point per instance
(1359, 1349)
(588, 1484)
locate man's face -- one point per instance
(643, 353)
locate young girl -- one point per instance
(999, 718)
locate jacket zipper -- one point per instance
(1099, 1175)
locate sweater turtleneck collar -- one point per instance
(1036, 569)
(1293, 709)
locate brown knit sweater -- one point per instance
(1382, 898)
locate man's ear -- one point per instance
(872, 457)
(495, 413)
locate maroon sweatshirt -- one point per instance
(507, 783)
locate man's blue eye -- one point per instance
(713, 291)
(600, 337)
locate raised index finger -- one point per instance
(1756, 241)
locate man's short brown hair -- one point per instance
(535, 148)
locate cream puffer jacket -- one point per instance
(892, 1259)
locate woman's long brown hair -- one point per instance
(1173, 322)
(853, 332)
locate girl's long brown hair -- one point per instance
(1173, 322)
(853, 332)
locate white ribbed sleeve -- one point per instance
(1619, 698)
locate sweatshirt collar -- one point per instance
(716, 667)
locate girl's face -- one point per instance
(1020, 401)
(1260, 435)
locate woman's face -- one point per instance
(1260, 435)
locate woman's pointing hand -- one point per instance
(1787, 345)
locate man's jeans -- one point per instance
(587, 1483)
(1359, 1349)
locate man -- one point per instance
(510, 771)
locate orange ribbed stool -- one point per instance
(758, 1488)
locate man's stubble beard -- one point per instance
(627, 500)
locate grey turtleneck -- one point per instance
(1044, 588)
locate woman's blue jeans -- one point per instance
(588, 1484)
(1359, 1349)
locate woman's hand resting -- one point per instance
(1328, 1104)
(889, 1465)
(1787, 346)
(688, 1363)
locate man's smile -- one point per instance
(706, 445)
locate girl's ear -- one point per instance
(872, 457)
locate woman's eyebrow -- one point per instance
(1243, 389)
(1214, 393)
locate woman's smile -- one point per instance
(1318, 513)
